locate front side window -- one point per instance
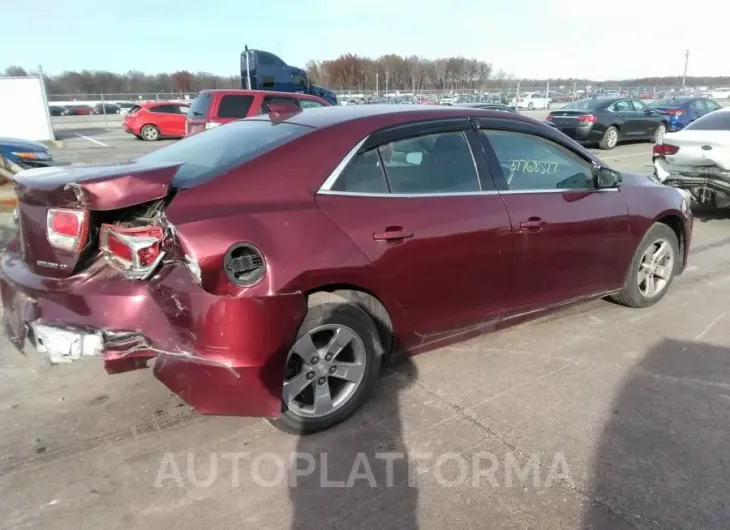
(533, 163)
(439, 163)
(711, 105)
(622, 106)
(638, 106)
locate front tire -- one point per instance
(653, 268)
(150, 133)
(331, 369)
(610, 138)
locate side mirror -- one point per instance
(607, 178)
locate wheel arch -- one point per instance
(676, 223)
(364, 300)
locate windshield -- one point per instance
(210, 153)
(667, 102)
(583, 104)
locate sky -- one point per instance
(619, 39)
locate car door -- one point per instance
(162, 117)
(647, 120)
(570, 239)
(436, 233)
(624, 111)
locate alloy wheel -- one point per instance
(656, 268)
(324, 369)
(612, 138)
(149, 133)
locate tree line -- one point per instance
(346, 72)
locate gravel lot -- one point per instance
(626, 409)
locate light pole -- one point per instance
(686, 61)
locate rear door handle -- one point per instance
(533, 224)
(392, 233)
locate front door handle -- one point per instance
(392, 233)
(533, 224)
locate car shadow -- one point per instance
(7, 232)
(65, 134)
(361, 473)
(706, 213)
(663, 460)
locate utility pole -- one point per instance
(686, 61)
(377, 82)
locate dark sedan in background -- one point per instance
(682, 111)
(608, 121)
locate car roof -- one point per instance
(243, 91)
(318, 118)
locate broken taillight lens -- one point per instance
(665, 149)
(67, 229)
(136, 251)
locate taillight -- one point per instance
(135, 251)
(587, 118)
(67, 229)
(211, 124)
(674, 112)
(665, 149)
(550, 117)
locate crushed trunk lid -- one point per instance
(94, 192)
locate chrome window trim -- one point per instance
(330, 181)
(463, 193)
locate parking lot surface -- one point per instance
(596, 417)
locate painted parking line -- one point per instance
(97, 142)
(626, 156)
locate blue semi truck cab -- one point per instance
(262, 70)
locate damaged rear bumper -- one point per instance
(222, 355)
(705, 183)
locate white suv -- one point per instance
(531, 101)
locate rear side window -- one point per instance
(201, 105)
(234, 106)
(204, 156)
(714, 121)
(164, 109)
(134, 109)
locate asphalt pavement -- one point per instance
(597, 417)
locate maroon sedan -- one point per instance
(268, 266)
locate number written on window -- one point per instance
(534, 163)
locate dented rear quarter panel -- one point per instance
(648, 201)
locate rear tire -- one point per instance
(659, 133)
(360, 355)
(150, 133)
(649, 278)
(530, 106)
(610, 138)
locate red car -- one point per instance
(267, 276)
(216, 107)
(155, 120)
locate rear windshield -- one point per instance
(207, 154)
(668, 102)
(234, 106)
(718, 120)
(200, 106)
(583, 104)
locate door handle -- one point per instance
(533, 224)
(392, 233)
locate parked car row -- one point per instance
(85, 109)
(610, 120)
(156, 120)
